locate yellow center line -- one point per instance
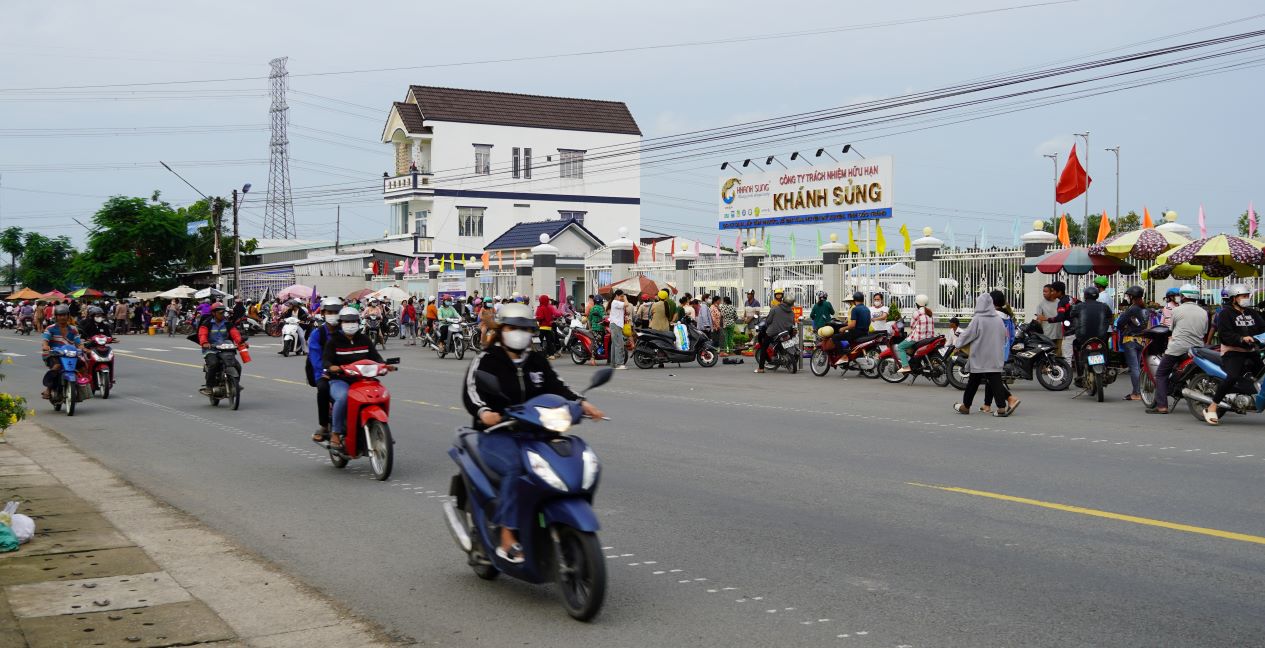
(1216, 533)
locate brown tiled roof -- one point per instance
(533, 111)
(411, 117)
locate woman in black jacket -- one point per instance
(1236, 328)
(521, 375)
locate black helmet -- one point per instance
(1134, 292)
(1091, 292)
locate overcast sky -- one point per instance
(1184, 144)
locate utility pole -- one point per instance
(1087, 179)
(237, 251)
(338, 227)
(1055, 158)
(217, 216)
(1116, 150)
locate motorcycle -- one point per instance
(457, 338)
(925, 359)
(228, 383)
(25, 326)
(1153, 347)
(585, 346)
(392, 329)
(834, 352)
(1031, 357)
(1096, 368)
(10, 322)
(292, 338)
(373, 326)
(67, 391)
(249, 326)
(782, 351)
(653, 347)
(368, 429)
(557, 524)
(1207, 375)
(99, 363)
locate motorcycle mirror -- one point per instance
(601, 377)
(393, 361)
(488, 383)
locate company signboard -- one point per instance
(823, 194)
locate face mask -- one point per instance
(1244, 302)
(350, 328)
(516, 340)
(447, 304)
(98, 319)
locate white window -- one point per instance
(577, 216)
(570, 163)
(483, 159)
(527, 163)
(399, 218)
(470, 221)
(419, 222)
(517, 163)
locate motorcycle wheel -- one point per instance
(285, 348)
(461, 349)
(791, 360)
(482, 567)
(1203, 384)
(68, 388)
(337, 459)
(642, 359)
(441, 349)
(708, 358)
(234, 393)
(873, 355)
(1054, 374)
(958, 374)
(381, 449)
(819, 363)
(580, 573)
(103, 380)
(578, 354)
(889, 371)
(1148, 391)
(936, 370)
(56, 399)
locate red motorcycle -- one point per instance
(925, 360)
(833, 352)
(368, 432)
(585, 346)
(98, 363)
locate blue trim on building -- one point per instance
(808, 219)
(517, 195)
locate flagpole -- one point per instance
(1055, 158)
(1116, 150)
(1087, 178)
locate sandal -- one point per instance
(1157, 411)
(1003, 413)
(961, 409)
(985, 409)
(1129, 397)
(1011, 409)
(321, 436)
(514, 556)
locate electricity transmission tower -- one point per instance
(279, 209)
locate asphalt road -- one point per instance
(738, 510)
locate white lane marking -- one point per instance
(153, 349)
(13, 355)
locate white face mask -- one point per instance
(99, 319)
(1244, 302)
(516, 340)
(350, 328)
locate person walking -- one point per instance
(987, 336)
(718, 326)
(1190, 328)
(618, 318)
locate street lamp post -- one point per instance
(1086, 136)
(237, 242)
(1054, 157)
(1116, 150)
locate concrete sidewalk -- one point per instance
(111, 566)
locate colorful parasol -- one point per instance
(89, 293)
(1142, 244)
(1077, 261)
(637, 285)
(1222, 247)
(296, 291)
(54, 294)
(359, 294)
(25, 293)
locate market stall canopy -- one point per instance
(1142, 244)
(394, 293)
(88, 293)
(206, 293)
(54, 294)
(179, 292)
(637, 285)
(296, 291)
(1077, 261)
(1221, 248)
(25, 293)
(359, 294)
(153, 294)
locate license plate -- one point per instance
(1096, 359)
(788, 344)
(1026, 354)
(535, 339)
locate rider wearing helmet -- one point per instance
(1190, 328)
(1093, 319)
(1131, 323)
(1240, 355)
(922, 327)
(781, 318)
(822, 311)
(858, 322)
(213, 330)
(94, 323)
(315, 365)
(346, 345)
(1172, 298)
(60, 333)
(521, 375)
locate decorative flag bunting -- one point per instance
(1074, 180)
(1064, 238)
(819, 241)
(1203, 227)
(1014, 233)
(498, 259)
(636, 253)
(738, 244)
(487, 259)
(1251, 220)
(768, 244)
(904, 233)
(880, 242)
(793, 254)
(983, 238)
(718, 246)
(652, 250)
(953, 239)
(852, 242)
(1104, 227)
(1146, 219)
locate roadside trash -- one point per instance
(23, 527)
(731, 360)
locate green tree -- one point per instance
(1129, 222)
(11, 243)
(201, 245)
(136, 244)
(1243, 225)
(46, 263)
(1075, 230)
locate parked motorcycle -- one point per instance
(782, 351)
(247, 326)
(99, 363)
(1098, 367)
(834, 352)
(66, 391)
(586, 346)
(227, 385)
(292, 337)
(1032, 357)
(557, 524)
(925, 359)
(653, 347)
(458, 338)
(368, 427)
(1207, 375)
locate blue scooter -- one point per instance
(1247, 396)
(66, 392)
(557, 526)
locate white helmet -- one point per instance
(921, 300)
(330, 304)
(348, 314)
(1189, 291)
(1234, 290)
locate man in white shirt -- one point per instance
(617, 317)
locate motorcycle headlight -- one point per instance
(555, 419)
(543, 470)
(591, 465)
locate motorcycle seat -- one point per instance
(667, 335)
(922, 343)
(469, 441)
(1207, 353)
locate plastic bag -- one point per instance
(8, 539)
(682, 337)
(23, 527)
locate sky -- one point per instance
(1185, 144)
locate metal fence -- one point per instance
(719, 277)
(798, 278)
(965, 275)
(501, 283)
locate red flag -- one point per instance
(652, 251)
(1074, 181)
(636, 253)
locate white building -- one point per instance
(469, 165)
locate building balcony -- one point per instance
(409, 185)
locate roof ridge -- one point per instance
(519, 94)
